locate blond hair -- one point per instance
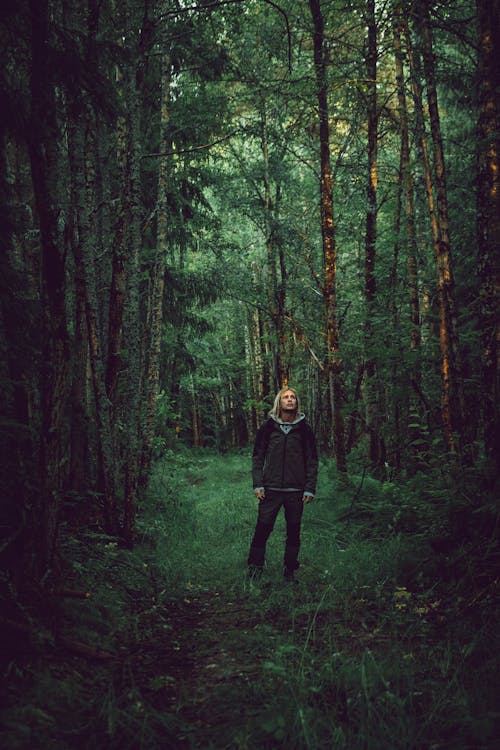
(276, 410)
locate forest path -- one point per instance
(218, 637)
(213, 666)
(221, 660)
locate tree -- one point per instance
(376, 447)
(45, 158)
(334, 362)
(488, 219)
(452, 409)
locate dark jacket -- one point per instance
(285, 460)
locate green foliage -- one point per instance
(383, 643)
(389, 641)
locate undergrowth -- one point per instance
(388, 641)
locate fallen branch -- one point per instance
(81, 649)
(72, 594)
(351, 512)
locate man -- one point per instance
(284, 471)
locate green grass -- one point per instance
(380, 645)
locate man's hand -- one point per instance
(259, 493)
(307, 499)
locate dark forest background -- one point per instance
(203, 201)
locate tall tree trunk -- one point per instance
(394, 458)
(78, 474)
(45, 170)
(423, 153)
(102, 219)
(254, 358)
(488, 221)
(334, 362)
(117, 297)
(118, 287)
(411, 238)
(196, 424)
(281, 292)
(452, 389)
(415, 432)
(157, 283)
(373, 415)
(276, 293)
(18, 447)
(133, 384)
(84, 260)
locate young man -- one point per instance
(284, 471)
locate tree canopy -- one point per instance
(205, 201)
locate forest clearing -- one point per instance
(240, 239)
(380, 644)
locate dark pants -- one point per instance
(268, 511)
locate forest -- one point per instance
(203, 201)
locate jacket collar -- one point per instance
(297, 419)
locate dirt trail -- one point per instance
(206, 666)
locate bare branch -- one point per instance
(302, 338)
(191, 150)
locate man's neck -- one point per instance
(288, 416)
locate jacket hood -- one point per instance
(297, 419)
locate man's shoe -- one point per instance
(289, 575)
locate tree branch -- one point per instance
(191, 150)
(288, 32)
(303, 340)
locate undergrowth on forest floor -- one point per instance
(389, 639)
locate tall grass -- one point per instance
(363, 653)
(378, 646)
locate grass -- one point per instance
(380, 645)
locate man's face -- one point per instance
(288, 401)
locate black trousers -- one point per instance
(268, 511)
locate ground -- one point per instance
(380, 644)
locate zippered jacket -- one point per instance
(285, 456)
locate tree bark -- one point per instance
(118, 287)
(452, 408)
(411, 239)
(373, 407)
(78, 474)
(44, 147)
(157, 282)
(117, 297)
(133, 384)
(85, 262)
(276, 293)
(415, 433)
(334, 362)
(488, 222)
(196, 423)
